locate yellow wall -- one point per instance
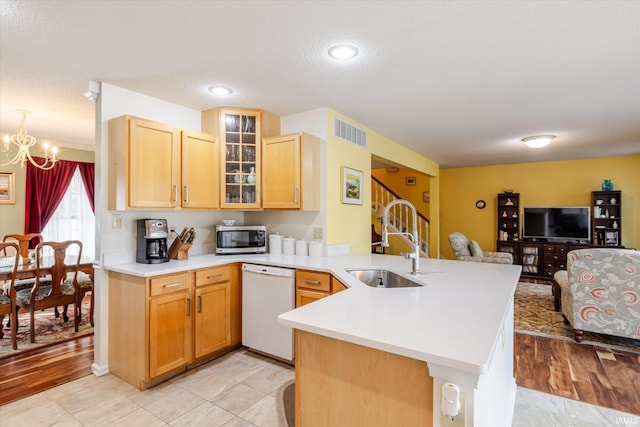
(352, 223)
(12, 216)
(396, 182)
(561, 183)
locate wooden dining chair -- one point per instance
(11, 252)
(24, 242)
(63, 286)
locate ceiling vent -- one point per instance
(349, 132)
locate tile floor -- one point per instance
(238, 389)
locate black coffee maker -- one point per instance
(152, 241)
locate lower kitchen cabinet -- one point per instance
(163, 325)
(169, 332)
(212, 311)
(313, 285)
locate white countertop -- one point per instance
(455, 320)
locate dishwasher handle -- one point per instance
(268, 270)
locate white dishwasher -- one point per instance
(266, 293)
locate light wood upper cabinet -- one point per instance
(144, 165)
(291, 172)
(240, 132)
(200, 164)
(154, 165)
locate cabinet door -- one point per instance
(281, 172)
(241, 136)
(200, 171)
(212, 318)
(169, 332)
(305, 296)
(153, 164)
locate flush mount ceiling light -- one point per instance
(538, 141)
(343, 51)
(220, 90)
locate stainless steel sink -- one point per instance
(378, 278)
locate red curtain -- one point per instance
(88, 174)
(44, 191)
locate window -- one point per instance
(73, 219)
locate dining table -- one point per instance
(27, 270)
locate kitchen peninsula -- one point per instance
(408, 342)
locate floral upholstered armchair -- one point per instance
(465, 250)
(600, 291)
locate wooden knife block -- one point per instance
(179, 250)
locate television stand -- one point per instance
(540, 259)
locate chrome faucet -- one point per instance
(415, 255)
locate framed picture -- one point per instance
(351, 186)
(393, 170)
(426, 196)
(611, 238)
(7, 188)
(410, 180)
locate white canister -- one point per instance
(275, 244)
(302, 248)
(288, 246)
(316, 248)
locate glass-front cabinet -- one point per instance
(242, 153)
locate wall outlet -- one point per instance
(460, 420)
(116, 220)
(172, 230)
(317, 233)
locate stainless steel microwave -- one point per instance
(241, 239)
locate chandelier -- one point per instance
(15, 148)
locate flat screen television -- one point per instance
(558, 224)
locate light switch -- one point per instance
(116, 220)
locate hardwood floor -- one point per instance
(579, 372)
(567, 369)
(43, 368)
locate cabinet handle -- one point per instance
(175, 193)
(199, 303)
(214, 276)
(312, 282)
(188, 307)
(172, 285)
(295, 195)
(186, 193)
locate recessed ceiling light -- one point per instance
(343, 51)
(538, 141)
(220, 90)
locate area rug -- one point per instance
(534, 315)
(285, 404)
(49, 329)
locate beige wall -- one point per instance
(561, 183)
(12, 216)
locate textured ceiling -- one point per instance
(459, 82)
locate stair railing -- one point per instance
(399, 216)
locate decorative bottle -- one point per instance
(607, 185)
(251, 179)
